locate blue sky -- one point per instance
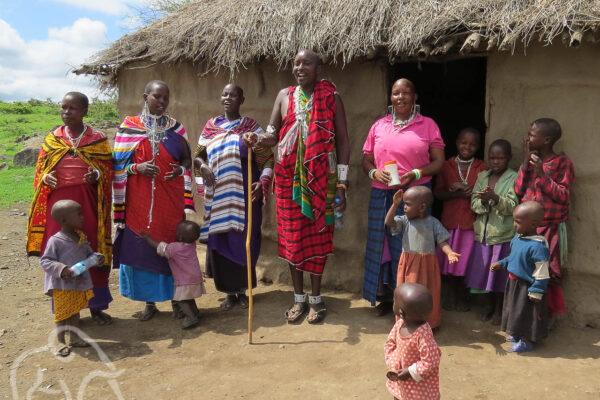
(42, 40)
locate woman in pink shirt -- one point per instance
(415, 144)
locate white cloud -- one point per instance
(41, 68)
(111, 7)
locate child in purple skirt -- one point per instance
(454, 186)
(493, 201)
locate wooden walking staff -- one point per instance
(248, 236)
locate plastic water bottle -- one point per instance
(338, 216)
(84, 265)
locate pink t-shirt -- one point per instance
(408, 146)
(184, 263)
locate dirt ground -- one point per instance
(342, 358)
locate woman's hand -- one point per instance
(176, 172)
(398, 197)
(340, 206)
(91, 176)
(148, 168)
(257, 192)
(250, 139)
(50, 179)
(381, 175)
(207, 175)
(407, 178)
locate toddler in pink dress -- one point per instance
(184, 264)
(411, 353)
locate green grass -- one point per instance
(22, 119)
(36, 117)
(16, 184)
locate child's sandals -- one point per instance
(189, 322)
(101, 318)
(520, 347)
(297, 310)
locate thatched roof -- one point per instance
(232, 34)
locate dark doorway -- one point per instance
(452, 93)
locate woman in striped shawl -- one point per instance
(151, 190)
(221, 159)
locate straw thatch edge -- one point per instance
(232, 34)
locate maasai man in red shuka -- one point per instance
(75, 163)
(309, 122)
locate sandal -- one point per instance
(383, 308)
(512, 339)
(318, 313)
(243, 300)
(177, 311)
(101, 318)
(229, 302)
(296, 311)
(520, 347)
(189, 322)
(149, 311)
(64, 351)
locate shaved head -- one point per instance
(62, 208)
(421, 194)
(530, 210)
(311, 54)
(405, 82)
(79, 97)
(233, 86)
(414, 300)
(548, 127)
(150, 86)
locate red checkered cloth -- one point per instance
(552, 190)
(303, 242)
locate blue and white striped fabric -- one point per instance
(224, 203)
(379, 203)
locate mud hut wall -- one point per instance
(194, 99)
(561, 83)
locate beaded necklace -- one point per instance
(156, 131)
(74, 140)
(464, 179)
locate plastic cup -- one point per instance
(392, 168)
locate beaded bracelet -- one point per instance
(417, 173)
(132, 169)
(372, 173)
